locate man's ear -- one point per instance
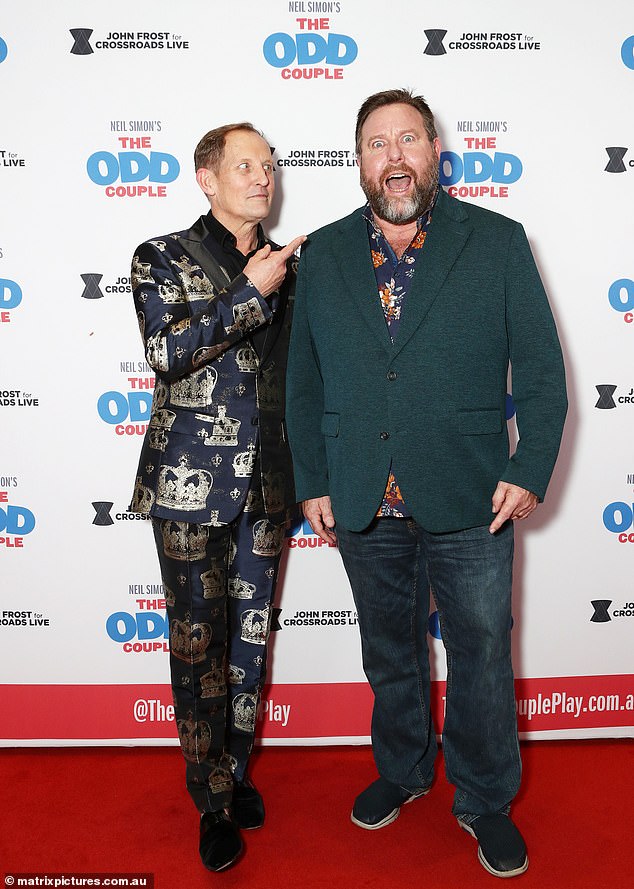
(207, 181)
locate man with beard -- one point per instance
(397, 426)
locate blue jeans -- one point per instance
(392, 566)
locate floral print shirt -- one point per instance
(393, 278)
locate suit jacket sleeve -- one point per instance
(539, 387)
(305, 398)
(181, 334)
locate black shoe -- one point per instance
(380, 803)
(247, 806)
(220, 843)
(501, 849)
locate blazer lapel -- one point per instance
(352, 251)
(193, 240)
(446, 238)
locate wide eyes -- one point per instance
(380, 144)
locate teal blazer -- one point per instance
(432, 404)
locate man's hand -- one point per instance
(319, 514)
(511, 502)
(267, 268)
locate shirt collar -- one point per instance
(225, 238)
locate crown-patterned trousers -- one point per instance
(219, 585)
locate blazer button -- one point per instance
(391, 375)
(255, 421)
(384, 436)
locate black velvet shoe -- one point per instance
(380, 804)
(501, 849)
(220, 843)
(247, 806)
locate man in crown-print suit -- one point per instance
(214, 306)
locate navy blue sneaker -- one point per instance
(501, 849)
(381, 802)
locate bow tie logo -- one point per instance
(616, 163)
(91, 290)
(601, 614)
(605, 402)
(434, 46)
(81, 46)
(275, 619)
(102, 510)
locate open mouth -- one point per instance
(397, 183)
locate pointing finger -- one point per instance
(292, 246)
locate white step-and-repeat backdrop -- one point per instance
(102, 105)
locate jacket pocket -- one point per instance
(330, 425)
(486, 422)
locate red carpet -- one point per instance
(123, 810)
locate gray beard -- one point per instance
(397, 210)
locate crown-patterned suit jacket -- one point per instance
(217, 404)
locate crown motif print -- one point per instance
(180, 327)
(255, 625)
(236, 675)
(170, 293)
(182, 541)
(267, 538)
(269, 392)
(224, 429)
(161, 392)
(194, 390)
(253, 501)
(160, 424)
(195, 738)
(193, 280)
(213, 683)
(143, 497)
(181, 487)
(244, 461)
(220, 780)
(141, 273)
(273, 484)
(214, 582)
(244, 710)
(246, 358)
(207, 353)
(246, 315)
(156, 352)
(188, 641)
(241, 589)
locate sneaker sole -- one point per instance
(488, 867)
(502, 873)
(392, 816)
